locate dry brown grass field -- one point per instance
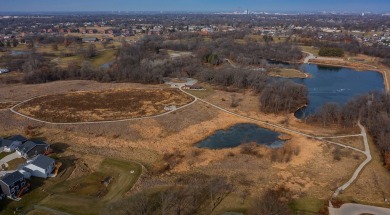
(356, 142)
(372, 186)
(103, 105)
(4, 105)
(307, 167)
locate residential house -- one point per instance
(14, 184)
(206, 31)
(31, 149)
(17, 138)
(4, 70)
(193, 87)
(11, 143)
(155, 32)
(41, 166)
(89, 39)
(2, 194)
(6, 145)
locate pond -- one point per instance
(15, 53)
(336, 84)
(106, 65)
(240, 134)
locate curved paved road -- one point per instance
(357, 209)
(309, 57)
(367, 152)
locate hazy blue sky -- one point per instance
(195, 5)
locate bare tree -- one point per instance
(272, 202)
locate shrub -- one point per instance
(250, 149)
(331, 52)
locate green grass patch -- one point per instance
(15, 163)
(208, 90)
(310, 49)
(29, 199)
(288, 73)
(307, 204)
(63, 62)
(80, 195)
(103, 57)
(39, 212)
(3, 154)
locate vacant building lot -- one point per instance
(102, 105)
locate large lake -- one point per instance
(336, 84)
(240, 134)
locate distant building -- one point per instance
(193, 87)
(89, 39)
(4, 71)
(155, 32)
(206, 31)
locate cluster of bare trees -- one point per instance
(273, 201)
(199, 195)
(283, 96)
(372, 109)
(224, 45)
(354, 47)
(236, 78)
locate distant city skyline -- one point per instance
(196, 5)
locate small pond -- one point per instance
(15, 53)
(240, 134)
(106, 65)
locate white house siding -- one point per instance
(13, 146)
(36, 171)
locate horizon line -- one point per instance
(194, 11)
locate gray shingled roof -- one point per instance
(43, 161)
(17, 138)
(5, 142)
(29, 145)
(11, 178)
(89, 39)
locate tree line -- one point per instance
(373, 110)
(198, 194)
(144, 62)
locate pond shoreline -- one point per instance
(242, 133)
(358, 69)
